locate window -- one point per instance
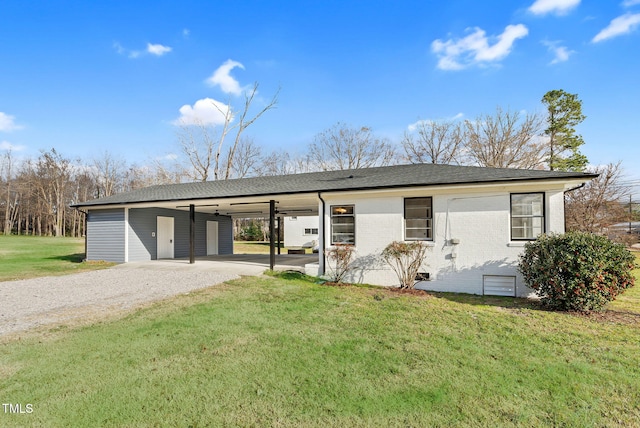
(527, 215)
(418, 219)
(310, 230)
(343, 224)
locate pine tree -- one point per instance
(565, 112)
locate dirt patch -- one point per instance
(392, 291)
(617, 317)
(409, 292)
(337, 284)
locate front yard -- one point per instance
(23, 257)
(286, 351)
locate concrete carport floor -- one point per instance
(239, 264)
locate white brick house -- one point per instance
(475, 233)
(476, 221)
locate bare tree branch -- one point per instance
(246, 160)
(109, 173)
(204, 145)
(244, 123)
(505, 140)
(598, 204)
(435, 142)
(341, 147)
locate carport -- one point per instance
(131, 226)
(286, 205)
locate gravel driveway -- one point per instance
(34, 302)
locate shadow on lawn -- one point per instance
(516, 305)
(72, 258)
(292, 275)
(499, 301)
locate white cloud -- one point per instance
(5, 145)
(475, 48)
(206, 111)
(560, 53)
(412, 127)
(559, 7)
(624, 24)
(8, 123)
(221, 77)
(629, 3)
(157, 49)
(121, 50)
(185, 33)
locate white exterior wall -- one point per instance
(479, 219)
(294, 235)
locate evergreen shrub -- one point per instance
(576, 271)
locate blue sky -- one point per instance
(85, 76)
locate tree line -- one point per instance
(35, 194)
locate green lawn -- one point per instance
(286, 351)
(30, 256)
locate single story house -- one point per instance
(475, 220)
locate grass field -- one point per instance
(30, 256)
(287, 351)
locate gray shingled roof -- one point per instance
(356, 179)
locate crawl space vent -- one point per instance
(499, 285)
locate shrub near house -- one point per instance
(576, 271)
(406, 259)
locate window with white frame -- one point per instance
(343, 224)
(418, 219)
(310, 230)
(527, 215)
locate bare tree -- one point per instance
(9, 200)
(506, 140)
(164, 171)
(109, 173)
(28, 209)
(276, 163)
(434, 142)
(52, 177)
(342, 147)
(203, 144)
(198, 143)
(282, 163)
(82, 188)
(244, 121)
(599, 203)
(136, 177)
(246, 160)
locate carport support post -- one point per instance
(279, 231)
(272, 233)
(192, 233)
